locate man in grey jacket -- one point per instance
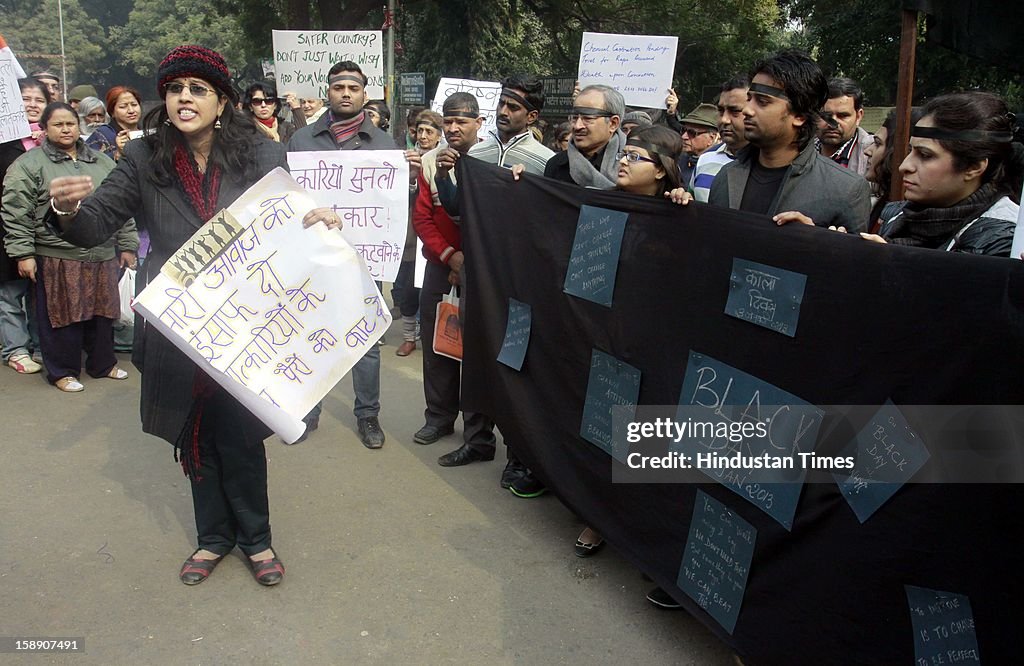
(781, 173)
(346, 127)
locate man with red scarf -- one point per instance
(346, 127)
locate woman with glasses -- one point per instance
(262, 102)
(199, 157)
(124, 106)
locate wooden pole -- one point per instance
(904, 100)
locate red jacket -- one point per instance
(440, 235)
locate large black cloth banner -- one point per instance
(876, 323)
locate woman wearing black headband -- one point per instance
(962, 178)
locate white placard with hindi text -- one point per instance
(274, 313)
(638, 66)
(486, 93)
(369, 190)
(302, 59)
(13, 121)
(1018, 235)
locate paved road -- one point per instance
(391, 559)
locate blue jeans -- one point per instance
(365, 383)
(17, 319)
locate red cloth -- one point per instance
(437, 230)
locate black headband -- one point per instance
(971, 136)
(460, 114)
(771, 91)
(590, 111)
(652, 150)
(346, 77)
(511, 94)
(428, 122)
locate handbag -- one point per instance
(447, 327)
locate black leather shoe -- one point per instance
(513, 471)
(429, 434)
(663, 599)
(463, 455)
(370, 433)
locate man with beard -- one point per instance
(844, 140)
(731, 100)
(346, 127)
(442, 247)
(591, 157)
(780, 173)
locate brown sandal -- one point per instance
(195, 571)
(267, 572)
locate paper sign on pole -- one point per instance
(486, 93)
(369, 190)
(13, 121)
(274, 313)
(302, 59)
(638, 66)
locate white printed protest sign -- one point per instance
(369, 190)
(274, 313)
(13, 121)
(302, 59)
(486, 93)
(638, 66)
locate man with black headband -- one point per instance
(780, 173)
(590, 160)
(346, 127)
(519, 106)
(442, 246)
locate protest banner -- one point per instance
(486, 93)
(13, 121)
(369, 190)
(638, 66)
(274, 313)
(302, 59)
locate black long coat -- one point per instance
(9, 152)
(167, 374)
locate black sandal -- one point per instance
(267, 572)
(195, 571)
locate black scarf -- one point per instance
(933, 227)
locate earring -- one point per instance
(217, 124)
(167, 121)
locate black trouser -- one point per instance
(405, 295)
(62, 347)
(230, 495)
(442, 376)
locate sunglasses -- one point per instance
(262, 101)
(194, 89)
(633, 158)
(693, 133)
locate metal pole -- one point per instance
(63, 58)
(904, 100)
(389, 74)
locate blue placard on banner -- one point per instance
(716, 562)
(595, 254)
(944, 631)
(765, 295)
(612, 383)
(517, 334)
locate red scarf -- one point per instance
(269, 122)
(343, 130)
(201, 192)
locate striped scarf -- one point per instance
(343, 130)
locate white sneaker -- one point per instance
(23, 363)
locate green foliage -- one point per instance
(156, 26)
(35, 28)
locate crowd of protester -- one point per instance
(83, 195)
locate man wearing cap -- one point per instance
(78, 93)
(591, 159)
(781, 173)
(635, 120)
(52, 83)
(840, 136)
(731, 100)
(699, 133)
(346, 127)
